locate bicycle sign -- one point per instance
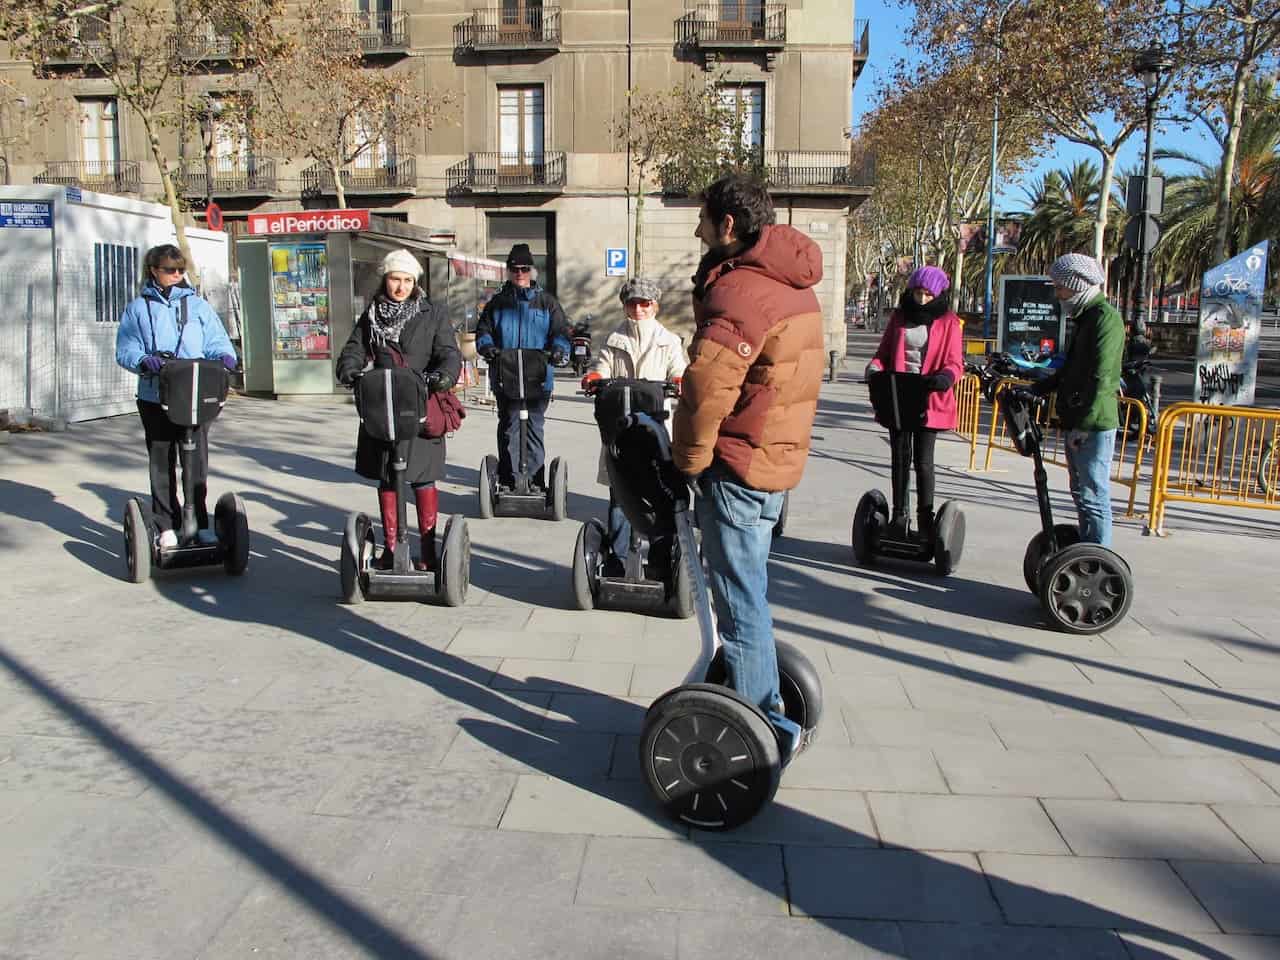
(1230, 312)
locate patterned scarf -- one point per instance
(387, 318)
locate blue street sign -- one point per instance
(615, 262)
(73, 195)
(29, 214)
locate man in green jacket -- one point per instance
(1087, 385)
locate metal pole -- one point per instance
(1144, 255)
(991, 201)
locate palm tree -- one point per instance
(1062, 215)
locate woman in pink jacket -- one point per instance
(924, 337)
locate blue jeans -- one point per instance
(1089, 470)
(509, 439)
(737, 530)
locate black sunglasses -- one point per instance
(520, 269)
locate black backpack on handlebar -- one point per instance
(509, 366)
(192, 392)
(612, 405)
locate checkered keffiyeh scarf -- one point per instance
(387, 318)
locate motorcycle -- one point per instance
(580, 346)
(1133, 384)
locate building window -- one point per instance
(520, 126)
(115, 275)
(99, 134)
(522, 17)
(231, 150)
(741, 19)
(746, 102)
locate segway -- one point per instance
(192, 393)
(711, 758)
(519, 376)
(1084, 588)
(644, 585)
(391, 402)
(900, 399)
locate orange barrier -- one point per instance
(1215, 455)
(1132, 439)
(969, 412)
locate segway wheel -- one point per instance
(948, 544)
(1065, 533)
(871, 515)
(709, 757)
(780, 525)
(1085, 588)
(558, 489)
(488, 480)
(454, 563)
(357, 547)
(797, 681)
(586, 553)
(231, 524)
(137, 543)
(682, 606)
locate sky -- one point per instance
(889, 41)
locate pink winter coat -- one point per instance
(942, 352)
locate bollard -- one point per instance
(833, 360)
(1156, 383)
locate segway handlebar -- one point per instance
(670, 388)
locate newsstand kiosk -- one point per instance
(305, 276)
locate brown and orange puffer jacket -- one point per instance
(750, 391)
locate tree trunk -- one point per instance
(1227, 171)
(1103, 212)
(338, 189)
(171, 199)
(639, 238)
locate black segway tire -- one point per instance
(710, 758)
(485, 486)
(780, 525)
(1085, 588)
(584, 563)
(872, 512)
(558, 489)
(357, 537)
(1065, 533)
(453, 565)
(948, 542)
(137, 543)
(231, 524)
(797, 681)
(682, 605)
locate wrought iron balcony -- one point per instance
(734, 25)
(232, 177)
(508, 173)
(817, 172)
(396, 177)
(376, 33)
(104, 176)
(202, 47)
(532, 27)
(861, 45)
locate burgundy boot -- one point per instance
(387, 503)
(428, 501)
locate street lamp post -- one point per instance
(991, 173)
(207, 113)
(1148, 65)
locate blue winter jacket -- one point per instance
(523, 318)
(149, 324)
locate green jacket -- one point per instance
(1088, 382)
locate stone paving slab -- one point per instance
(1259, 827)
(975, 824)
(1201, 945)
(1020, 773)
(1184, 779)
(621, 808)
(1162, 831)
(970, 941)
(1242, 897)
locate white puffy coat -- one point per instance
(652, 353)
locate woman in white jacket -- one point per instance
(640, 348)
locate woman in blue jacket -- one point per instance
(155, 324)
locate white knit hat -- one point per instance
(402, 261)
(1077, 272)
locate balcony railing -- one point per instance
(400, 176)
(729, 25)
(105, 176)
(816, 171)
(200, 47)
(232, 177)
(508, 172)
(861, 45)
(533, 27)
(375, 32)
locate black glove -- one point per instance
(559, 358)
(939, 381)
(438, 380)
(489, 353)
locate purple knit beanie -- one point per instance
(933, 279)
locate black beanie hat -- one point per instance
(520, 256)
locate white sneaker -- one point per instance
(168, 540)
(206, 537)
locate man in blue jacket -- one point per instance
(154, 325)
(522, 316)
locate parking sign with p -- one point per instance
(615, 262)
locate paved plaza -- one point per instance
(205, 767)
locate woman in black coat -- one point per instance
(402, 328)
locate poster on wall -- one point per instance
(1230, 324)
(300, 301)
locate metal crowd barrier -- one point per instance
(969, 412)
(1215, 455)
(1132, 439)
